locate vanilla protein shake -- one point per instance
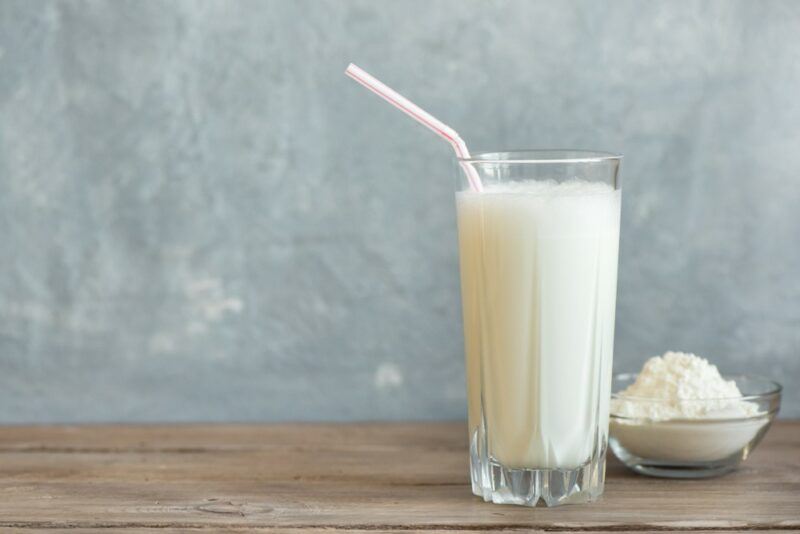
(538, 234)
(538, 279)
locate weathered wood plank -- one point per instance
(283, 530)
(235, 437)
(356, 476)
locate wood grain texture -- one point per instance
(375, 476)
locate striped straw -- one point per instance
(420, 115)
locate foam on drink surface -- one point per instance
(550, 188)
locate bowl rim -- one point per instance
(774, 391)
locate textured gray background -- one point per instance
(203, 219)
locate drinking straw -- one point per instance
(420, 115)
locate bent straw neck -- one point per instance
(420, 115)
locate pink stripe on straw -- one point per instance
(420, 115)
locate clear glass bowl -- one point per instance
(721, 433)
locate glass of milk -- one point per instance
(538, 253)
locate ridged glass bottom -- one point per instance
(553, 487)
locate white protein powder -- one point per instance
(697, 419)
(677, 377)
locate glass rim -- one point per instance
(542, 156)
(774, 389)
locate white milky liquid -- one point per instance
(538, 280)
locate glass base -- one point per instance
(528, 487)
(672, 468)
(678, 471)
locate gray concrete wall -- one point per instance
(203, 219)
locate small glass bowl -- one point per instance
(721, 434)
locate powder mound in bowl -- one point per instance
(675, 378)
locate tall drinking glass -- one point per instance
(538, 252)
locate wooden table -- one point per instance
(373, 477)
